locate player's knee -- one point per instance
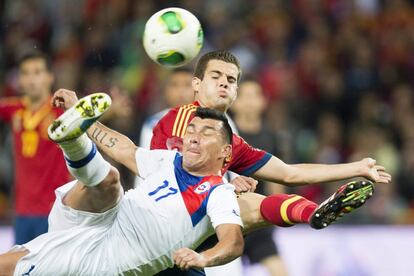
(250, 211)
(112, 180)
(108, 191)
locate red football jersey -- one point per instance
(170, 130)
(38, 162)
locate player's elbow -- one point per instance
(128, 159)
(111, 184)
(291, 180)
(294, 177)
(282, 173)
(236, 246)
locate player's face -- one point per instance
(204, 147)
(178, 90)
(218, 88)
(35, 80)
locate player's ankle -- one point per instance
(78, 148)
(84, 161)
(91, 170)
(286, 210)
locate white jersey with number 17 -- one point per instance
(171, 209)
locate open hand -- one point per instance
(374, 172)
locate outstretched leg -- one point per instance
(98, 187)
(284, 210)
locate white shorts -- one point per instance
(71, 233)
(62, 217)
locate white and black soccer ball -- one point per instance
(173, 37)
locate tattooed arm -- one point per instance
(114, 144)
(117, 146)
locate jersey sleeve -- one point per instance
(246, 160)
(222, 206)
(151, 161)
(163, 130)
(7, 108)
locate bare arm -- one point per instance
(276, 170)
(229, 247)
(114, 144)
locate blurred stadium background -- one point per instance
(337, 75)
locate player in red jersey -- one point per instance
(38, 163)
(215, 84)
(256, 211)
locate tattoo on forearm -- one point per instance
(112, 142)
(95, 134)
(103, 136)
(99, 137)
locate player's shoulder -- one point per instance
(157, 116)
(169, 116)
(215, 184)
(214, 180)
(178, 118)
(152, 120)
(208, 184)
(157, 154)
(238, 140)
(188, 106)
(180, 111)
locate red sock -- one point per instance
(287, 210)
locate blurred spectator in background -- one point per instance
(320, 63)
(248, 113)
(177, 91)
(38, 163)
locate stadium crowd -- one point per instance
(336, 75)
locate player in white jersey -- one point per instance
(96, 230)
(177, 91)
(94, 204)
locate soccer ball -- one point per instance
(173, 37)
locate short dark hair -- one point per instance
(225, 56)
(208, 113)
(36, 55)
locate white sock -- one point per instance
(84, 161)
(77, 149)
